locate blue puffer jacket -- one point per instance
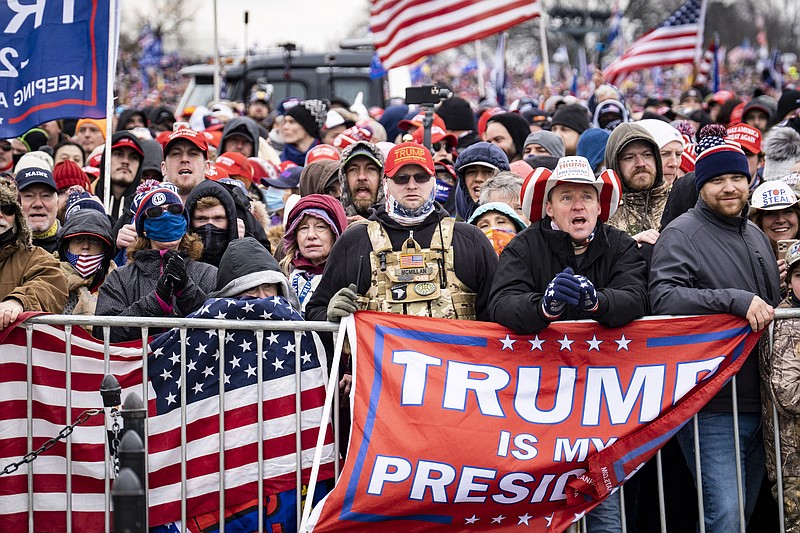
(483, 152)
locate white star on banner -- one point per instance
(203, 309)
(228, 337)
(266, 316)
(622, 344)
(208, 371)
(471, 520)
(175, 358)
(306, 357)
(211, 333)
(578, 516)
(221, 315)
(536, 344)
(498, 519)
(245, 346)
(289, 347)
(278, 364)
(248, 307)
(230, 302)
(566, 343)
(201, 348)
(198, 388)
(191, 366)
(508, 343)
(170, 398)
(227, 379)
(158, 351)
(166, 374)
(524, 519)
(549, 519)
(594, 344)
(216, 355)
(250, 371)
(276, 300)
(235, 362)
(273, 338)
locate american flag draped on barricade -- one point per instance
(89, 445)
(482, 429)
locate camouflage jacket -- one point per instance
(780, 387)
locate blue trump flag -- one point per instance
(53, 62)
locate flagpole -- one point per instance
(217, 87)
(479, 58)
(545, 54)
(110, 78)
(698, 46)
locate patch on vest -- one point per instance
(424, 289)
(399, 291)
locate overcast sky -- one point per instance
(315, 25)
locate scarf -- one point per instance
(290, 153)
(301, 263)
(165, 228)
(404, 216)
(577, 245)
(48, 232)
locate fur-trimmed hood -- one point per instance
(10, 195)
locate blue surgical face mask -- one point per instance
(166, 228)
(274, 199)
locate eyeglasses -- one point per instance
(6, 147)
(158, 210)
(438, 146)
(8, 209)
(402, 179)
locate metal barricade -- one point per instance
(146, 323)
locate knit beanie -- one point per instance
(516, 126)
(67, 173)
(457, 114)
(311, 115)
(151, 194)
(37, 159)
(572, 116)
(79, 200)
(717, 156)
(781, 151)
(547, 140)
(100, 123)
(592, 145)
(789, 101)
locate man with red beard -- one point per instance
(360, 173)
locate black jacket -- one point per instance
(682, 197)
(536, 255)
(705, 263)
(348, 262)
(119, 206)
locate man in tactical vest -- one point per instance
(410, 257)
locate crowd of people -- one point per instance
(554, 209)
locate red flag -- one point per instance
(89, 447)
(674, 41)
(457, 429)
(406, 30)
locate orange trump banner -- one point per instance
(467, 426)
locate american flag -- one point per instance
(406, 30)
(203, 351)
(411, 261)
(674, 41)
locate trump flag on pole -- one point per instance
(460, 429)
(53, 62)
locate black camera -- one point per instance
(426, 95)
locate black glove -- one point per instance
(164, 288)
(175, 272)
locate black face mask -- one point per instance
(7, 237)
(215, 242)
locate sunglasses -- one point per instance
(438, 146)
(8, 209)
(403, 179)
(158, 210)
(6, 147)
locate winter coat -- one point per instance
(130, 291)
(119, 206)
(638, 210)
(780, 387)
(82, 299)
(475, 260)
(212, 188)
(704, 263)
(682, 196)
(32, 275)
(528, 264)
(317, 175)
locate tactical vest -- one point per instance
(416, 281)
